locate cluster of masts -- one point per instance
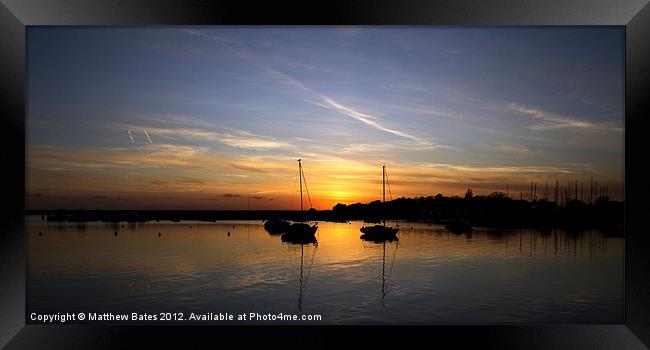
(564, 193)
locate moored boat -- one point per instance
(458, 226)
(300, 231)
(276, 226)
(380, 232)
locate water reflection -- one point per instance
(298, 239)
(310, 255)
(522, 275)
(385, 277)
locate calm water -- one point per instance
(429, 276)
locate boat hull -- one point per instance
(298, 238)
(276, 227)
(458, 227)
(300, 233)
(379, 233)
(301, 229)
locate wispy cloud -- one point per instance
(233, 138)
(382, 148)
(325, 101)
(551, 121)
(329, 103)
(503, 169)
(508, 148)
(430, 110)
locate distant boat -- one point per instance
(458, 226)
(380, 232)
(276, 226)
(299, 231)
(299, 237)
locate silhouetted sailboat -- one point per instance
(458, 226)
(276, 226)
(380, 232)
(299, 231)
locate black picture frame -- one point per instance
(15, 15)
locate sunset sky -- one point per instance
(216, 117)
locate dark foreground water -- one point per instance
(429, 276)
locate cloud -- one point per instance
(504, 169)
(508, 148)
(551, 121)
(330, 103)
(430, 110)
(382, 148)
(230, 195)
(367, 119)
(97, 159)
(159, 182)
(247, 168)
(244, 139)
(233, 138)
(326, 101)
(44, 123)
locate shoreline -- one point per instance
(543, 222)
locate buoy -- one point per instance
(158, 234)
(115, 233)
(228, 233)
(233, 226)
(40, 233)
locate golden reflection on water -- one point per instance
(423, 277)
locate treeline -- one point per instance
(494, 210)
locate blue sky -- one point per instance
(228, 110)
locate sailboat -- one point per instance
(276, 226)
(380, 232)
(299, 231)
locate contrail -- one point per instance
(327, 102)
(131, 136)
(148, 138)
(334, 105)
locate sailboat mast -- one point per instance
(383, 182)
(300, 175)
